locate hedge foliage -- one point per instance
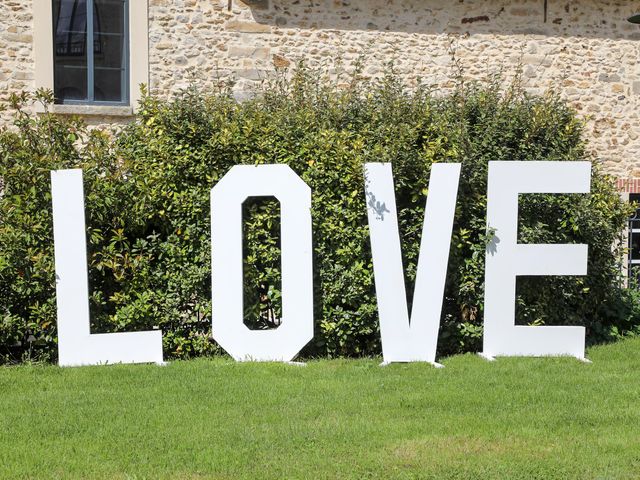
(148, 226)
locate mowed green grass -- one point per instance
(513, 418)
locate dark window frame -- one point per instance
(633, 237)
(90, 52)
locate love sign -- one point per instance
(406, 336)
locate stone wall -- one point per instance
(16, 47)
(584, 49)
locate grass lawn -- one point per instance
(514, 418)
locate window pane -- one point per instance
(109, 50)
(70, 55)
(109, 86)
(635, 246)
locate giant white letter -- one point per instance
(227, 197)
(405, 340)
(76, 344)
(505, 258)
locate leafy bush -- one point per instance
(147, 200)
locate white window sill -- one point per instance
(88, 110)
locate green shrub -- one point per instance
(147, 200)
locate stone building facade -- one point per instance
(585, 49)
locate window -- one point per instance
(91, 51)
(104, 79)
(634, 238)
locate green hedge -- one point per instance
(148, 226)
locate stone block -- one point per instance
(246, 27)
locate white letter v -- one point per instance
(405, 340)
